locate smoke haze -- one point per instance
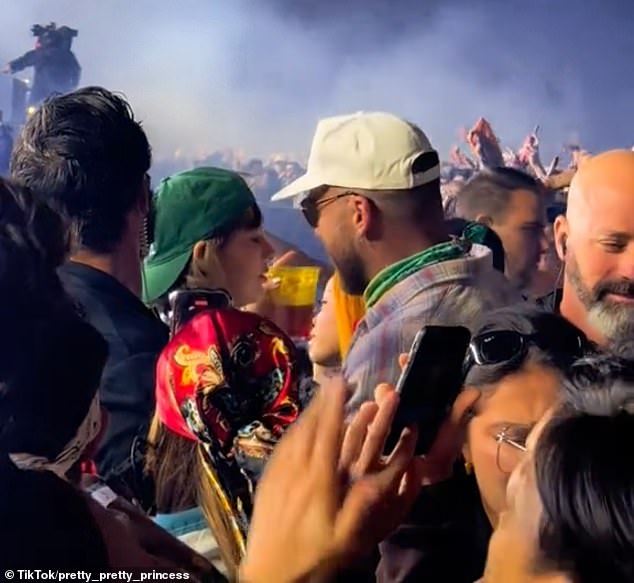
(257, 74)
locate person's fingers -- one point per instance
(382, 391)
(376, 504)
(285, 259)
(372, 506)
(291, 455)
(384, 485)
(403, 361)
(403, 453)
(355, 434)
(356, 521)
(409, 488)
(331, 427)
(406, 445)
(451, 435)
(271, 284)
(378, 432)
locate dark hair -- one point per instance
(51, 360)
(489, 192)
(46, 523)
(420, 205)
(461, 228)
(250, 219)
(85, 153)
(173, 463)
(529, 320)
(585, 475)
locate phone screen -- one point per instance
(430, 383)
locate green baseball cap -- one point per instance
(190, 206)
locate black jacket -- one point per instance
(55, 71)
(551, 301)
(135, 338)
(445, 537)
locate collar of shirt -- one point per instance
(477, 263)
(79, 276)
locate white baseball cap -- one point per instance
(368, 150)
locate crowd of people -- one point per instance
(267, 176)
(154, 415)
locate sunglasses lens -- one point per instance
(500, 346)
(495, 347)
(309, 210)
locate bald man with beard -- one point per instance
(596, 242)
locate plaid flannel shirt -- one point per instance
(450, 293)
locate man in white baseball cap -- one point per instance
(372, 195)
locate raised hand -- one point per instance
(265, 307)
(327, 495)
(484, 144)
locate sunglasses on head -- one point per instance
(311, 207)
(499, 346)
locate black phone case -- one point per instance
(439, 358)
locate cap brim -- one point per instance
(159, 277)
(302, 184)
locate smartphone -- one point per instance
(186, 304)
(430, 383)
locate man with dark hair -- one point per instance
(512, 203)
(85, 154)
(373, 184)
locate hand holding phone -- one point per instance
(430, 383)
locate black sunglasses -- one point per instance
(311, 206)
(500, 346)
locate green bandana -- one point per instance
(385, 280)
(476, 233)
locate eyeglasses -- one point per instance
(311, 207)
(511, 447)
(500, 346)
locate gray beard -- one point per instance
(613, 320)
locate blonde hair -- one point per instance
(349, 311)
(205, 271)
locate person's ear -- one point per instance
(199, 251)
(361, 214)
(466, 453)
(484, 220)
(560, 232)
(207, 270)
(467, 414)
(365, 218)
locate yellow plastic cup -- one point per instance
(294, 299)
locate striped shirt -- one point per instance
(450, 293)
